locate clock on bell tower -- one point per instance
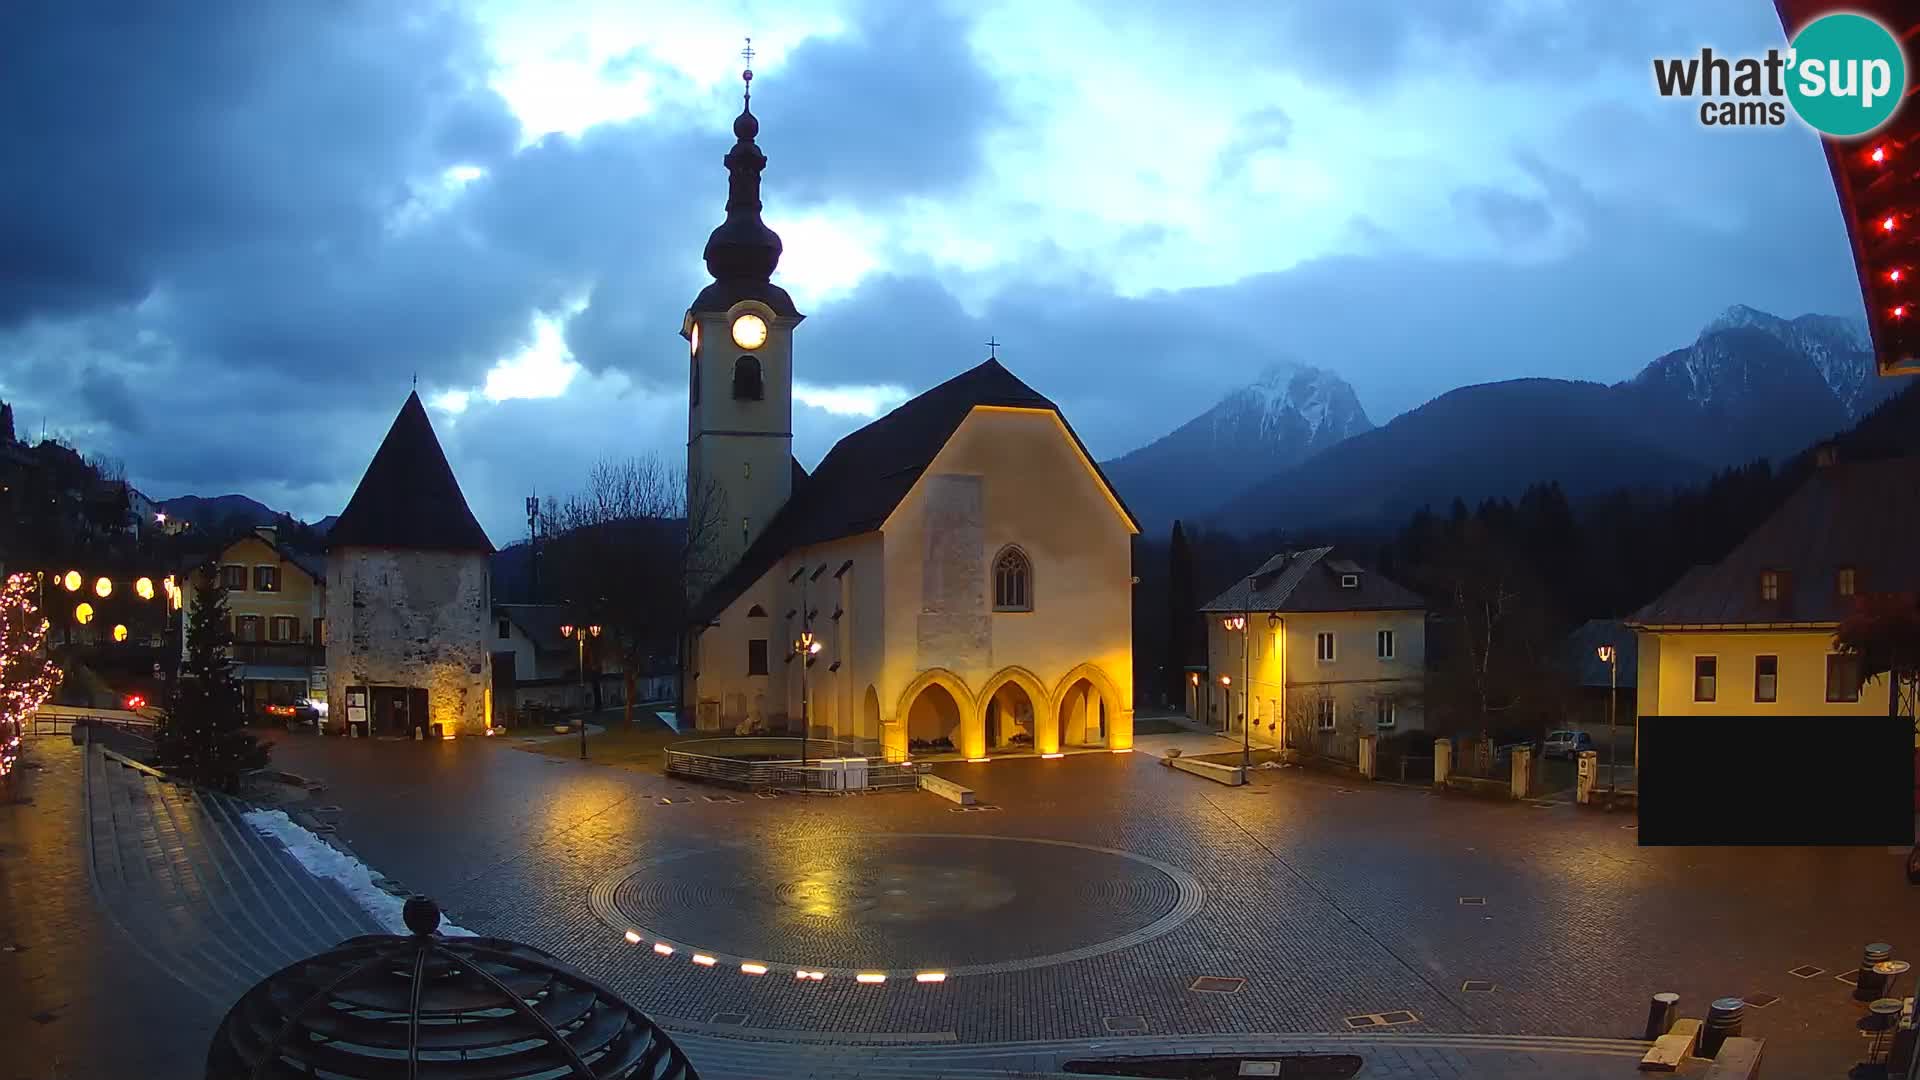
(739, 334)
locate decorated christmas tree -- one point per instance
(203, 737)
(27, 676)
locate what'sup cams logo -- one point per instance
(1843, 74)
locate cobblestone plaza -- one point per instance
(1100, 905)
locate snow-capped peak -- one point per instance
(1292, 402)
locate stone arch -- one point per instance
(1036, 692)
(972, 741)
(1119, 718)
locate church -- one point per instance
(955, 577)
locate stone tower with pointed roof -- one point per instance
(409, 595)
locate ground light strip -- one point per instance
(1191, 898)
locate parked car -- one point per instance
(1565, 744)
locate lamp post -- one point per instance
(580, 634)
(1230, 624)
(806, 648)
(1612, 659)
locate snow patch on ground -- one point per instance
(324, 860)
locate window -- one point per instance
(283, 628)
(757, 656)
(233, 578)
(266, 579)
(1843, 677)
(1843, 581)
(1766, 678)
(505, 630)
(1384, 642)
(1323, 646)
(756, 612)
(319, 631)
(747, 384)
(1384, 713)
(1324, 714)
(1012, 581)
(1769, 585)
(1704, 670)
(246, 628)
(1349, 581)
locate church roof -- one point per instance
(408, 497)
(866, 474)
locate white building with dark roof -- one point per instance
(961, 567)
(1316, 650)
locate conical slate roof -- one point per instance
(409, 498)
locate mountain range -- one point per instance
(1751, 385)
(1294, 449)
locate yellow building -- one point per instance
(276, 610)
(955, 575)
(1318, 650)
(1752, 635)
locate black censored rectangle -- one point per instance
(1813, 780)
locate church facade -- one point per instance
(955, 576)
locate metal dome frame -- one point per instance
(475, 995)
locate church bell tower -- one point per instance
(739, 335)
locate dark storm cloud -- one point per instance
(896, 107)
(107, 397)
(164, 136)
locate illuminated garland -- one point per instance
(27, 676)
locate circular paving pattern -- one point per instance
(898, 903)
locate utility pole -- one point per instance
(533, 546)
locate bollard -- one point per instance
(1723, 1023)
(1660, 1014)
(1868, 984)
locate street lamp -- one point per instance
(1230, 624)
(806, 648)
(580, 634)
(1612, 659)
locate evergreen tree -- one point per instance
(203, 737)
(1183, 615)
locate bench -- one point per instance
(947, 789)
(1674, 1047)
(1229, 775)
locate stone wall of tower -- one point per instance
(741, 450)
(412, 618)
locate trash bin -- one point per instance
(1869, 984)
(1723, 1023)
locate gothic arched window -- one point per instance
(746, 379)
(1012, 580)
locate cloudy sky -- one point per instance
(232, 233)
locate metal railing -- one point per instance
(62, 719)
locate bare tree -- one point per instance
(624, 553)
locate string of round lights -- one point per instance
(103, 587)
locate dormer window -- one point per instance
(747, 384)
(1844, 581)
(1349, 581)
(1770, 585)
